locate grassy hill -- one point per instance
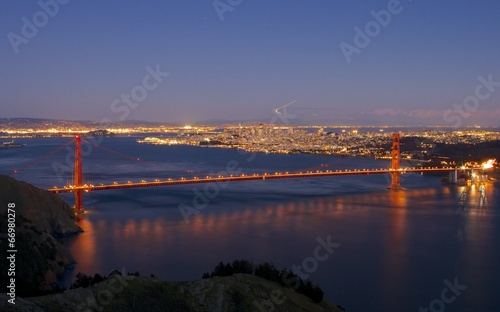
(240, 292)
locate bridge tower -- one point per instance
(396, 162)
(78, 177)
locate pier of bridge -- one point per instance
(395, 171)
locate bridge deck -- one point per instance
(244, 177)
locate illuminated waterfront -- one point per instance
(396, 247)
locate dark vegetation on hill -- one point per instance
(269, 272)
(132, 292)
(40, 218)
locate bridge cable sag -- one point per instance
(37, 160)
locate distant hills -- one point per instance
(42, 123)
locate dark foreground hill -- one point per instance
(241, 292)
(40, 217)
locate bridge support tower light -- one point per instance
(78, 177)
(396, 163)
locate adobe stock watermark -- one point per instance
(448, 295)
(201, 199)
(48, 9)
(123, 105)
(223, 6)
(103, 297)
(363, 37)
(321, 253)
(210, 190)
(310, 264)
(482, 92)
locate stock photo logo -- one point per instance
(31, 26)
(372, 29)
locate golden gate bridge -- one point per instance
(78, 188)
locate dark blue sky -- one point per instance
(262, 55)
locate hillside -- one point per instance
(40, 217)
(47, 212)
(241, 292)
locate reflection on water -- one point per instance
(394, 245)
(396, 248)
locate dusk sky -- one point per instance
(239, 60)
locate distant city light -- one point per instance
(488, 164)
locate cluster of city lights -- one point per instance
(488, 164)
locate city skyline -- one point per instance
(388, 62)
